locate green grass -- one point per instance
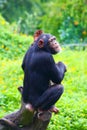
(72, 104)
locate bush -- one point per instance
(66, 20)
(12, 44)
(28, 23)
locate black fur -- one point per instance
(39, 68)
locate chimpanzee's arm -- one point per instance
(56, 71)
(24, 60)
(23, 63)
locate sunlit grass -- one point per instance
(73, 103)
(11, 76)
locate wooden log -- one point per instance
(23, 119)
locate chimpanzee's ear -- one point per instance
(41, 43)
(37, 34)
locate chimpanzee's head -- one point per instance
(46, 42)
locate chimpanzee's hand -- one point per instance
(61, 64)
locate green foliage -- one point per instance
(22, 13)
(12, 44)
(65, 19)
(15, 9)
(2, 3)
(73, 103)
(71, 32)
(9, 81)
(28, 23)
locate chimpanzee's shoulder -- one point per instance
(45, 56)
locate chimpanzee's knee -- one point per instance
(60, 88)
(51, 96)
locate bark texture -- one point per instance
(24, 119)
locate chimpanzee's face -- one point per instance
(54, 45)
(47, 42)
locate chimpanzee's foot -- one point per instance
(54, 109)
(29, 107)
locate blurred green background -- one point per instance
(67, 20)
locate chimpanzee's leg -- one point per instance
(49, 97)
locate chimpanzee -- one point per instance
(39, 69)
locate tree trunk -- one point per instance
(23, 119)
